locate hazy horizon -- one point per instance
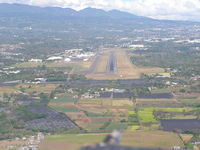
(168, 10)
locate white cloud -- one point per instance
(161, 9)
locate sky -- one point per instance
(158, 9)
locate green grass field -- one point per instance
(89, 114)
(63, 100)
(70, 141)
(146, 114)
(65, 109)
(117, 126)
(151, 139)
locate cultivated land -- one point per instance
(158, 107)
(94, 114)
(70, 141)
(124, 69)
(151, 139)
(65, 66)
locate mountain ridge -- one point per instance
(56, 17)
(19, 9)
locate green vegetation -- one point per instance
(147, 115)
(66, 109)
(90, 114)
(116, 126)
(27, 115)
(63, 100)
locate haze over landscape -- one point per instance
(159, 9)
(99, 75)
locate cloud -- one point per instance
(160, 9)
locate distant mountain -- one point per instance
(120, 14)
(18, 10)
(47, 30)
(92, 12)
(18, 15)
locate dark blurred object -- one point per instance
(112, 142)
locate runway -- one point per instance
(112, 63)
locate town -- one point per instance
(69, 84)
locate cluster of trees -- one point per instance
(179, 57)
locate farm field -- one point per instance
(45, 88)
(70, 141)
(124, 68)
(150, 101)
(146, 115)
(151, 139)
(189, 100)
(67, 67)
(180, 124)
(95, 114)
(106, 114)
(8, 89)
(5, 143)
(107, 102)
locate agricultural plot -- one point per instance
(133, 121)
(156, 96)
(189, 100)
(107, 102)
(180, 124)
(64, 104)
(67, 67)
(105, 95)
(5, 143)
(151, 139)
(123, 95)
(65, 109)
(80, 118)
(146, 115)
(123, 102)
(116, 126)
(52, 120)
(45, 88)
(157, 100)
(63, 100)
(70, 141)
(116, 95)
(67, 106)
(105, 114)
(8, 89)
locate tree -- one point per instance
(52, 95)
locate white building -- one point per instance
(67, 60)
(35, 60)
(53, 58)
